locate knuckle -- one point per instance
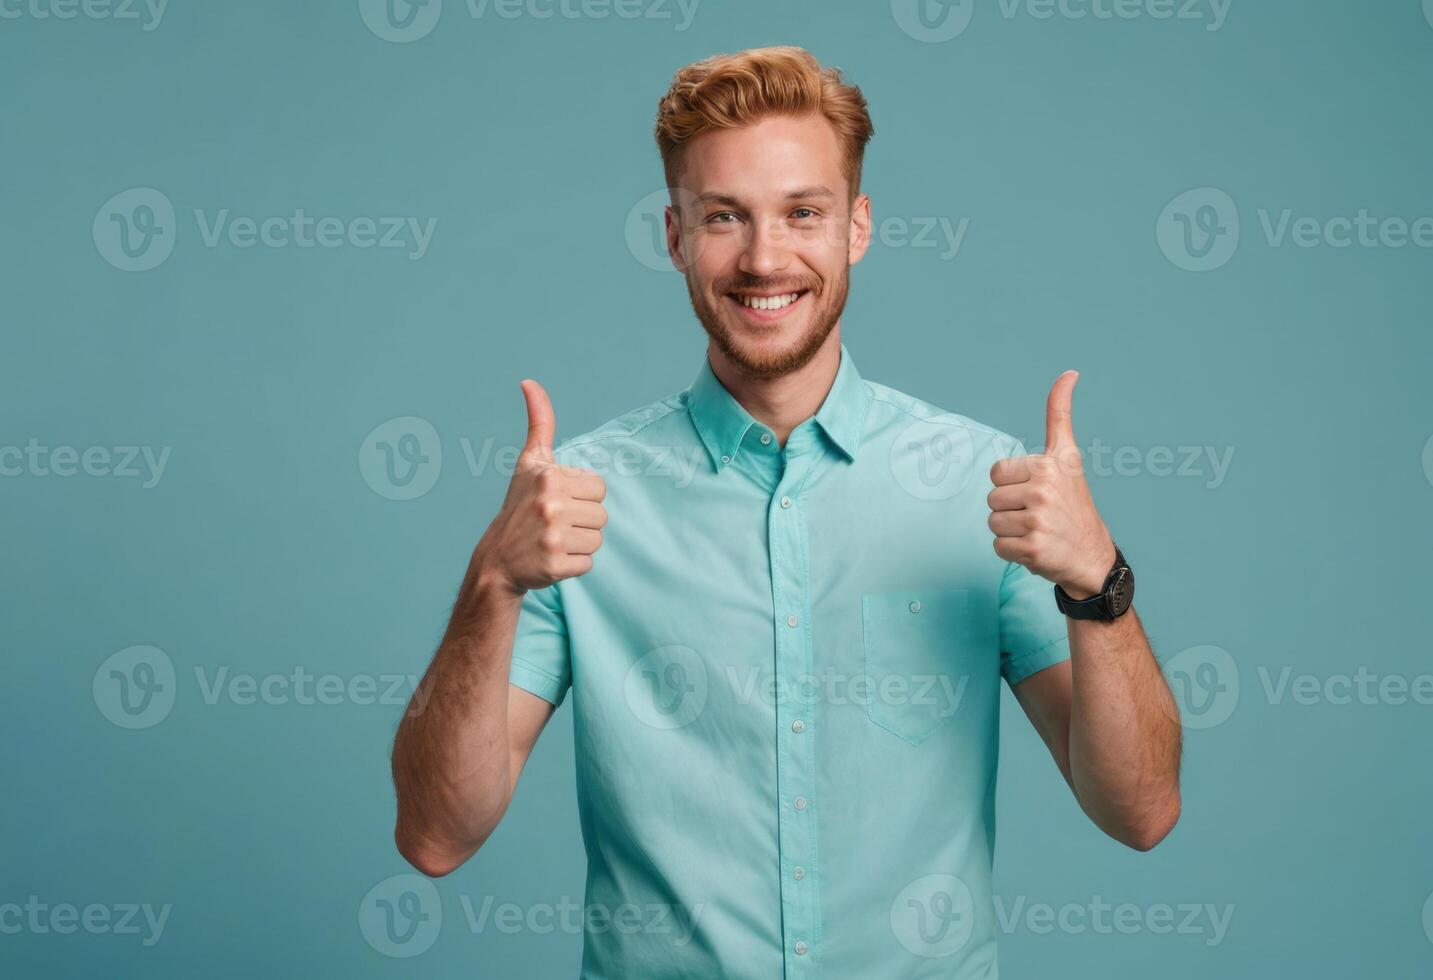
(551, 542)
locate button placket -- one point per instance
(795, 754)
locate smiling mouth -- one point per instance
(766, 308)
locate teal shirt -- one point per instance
(785, 670)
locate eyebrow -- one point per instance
(800, 194)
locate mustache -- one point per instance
(749, 284)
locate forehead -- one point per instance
(765, 160)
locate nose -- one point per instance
(766, 250)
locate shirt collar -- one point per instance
(721, 422)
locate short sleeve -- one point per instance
(1033, 632)
(541, 662)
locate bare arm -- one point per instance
(467, 732)
(1112, 727)
(466, 736)
(1106, 714)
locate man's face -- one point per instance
(762, 215)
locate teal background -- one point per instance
(263, 548)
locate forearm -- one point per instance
(1124, 741)
(451, 757)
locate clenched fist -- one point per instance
(1041, 510)
(550, 524)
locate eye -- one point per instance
(802, 214)
(721, 218)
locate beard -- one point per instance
(827, 301)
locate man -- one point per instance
(785, 663)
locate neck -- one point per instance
(781, 404)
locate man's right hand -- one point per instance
(550, 523)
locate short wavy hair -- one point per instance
(729, 91)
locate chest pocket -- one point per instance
(913, 662)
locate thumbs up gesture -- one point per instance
(1041, 510)
(550, 524)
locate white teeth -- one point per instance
(768, 302)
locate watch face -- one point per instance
(1121, 591)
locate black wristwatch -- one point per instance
(1110, 602)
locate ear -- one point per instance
(674, 239)
(860, 229)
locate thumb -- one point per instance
(1059, 430)
(541, 422)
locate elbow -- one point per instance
(1146, 834)
(435, 862)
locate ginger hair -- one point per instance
(729, 91)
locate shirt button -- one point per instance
(785, 502)
(726, 459)
(766, 438)
(916, 606)
(793, 621)
(798, 726)
(799, 802)
(798, 873)
(801, 948)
